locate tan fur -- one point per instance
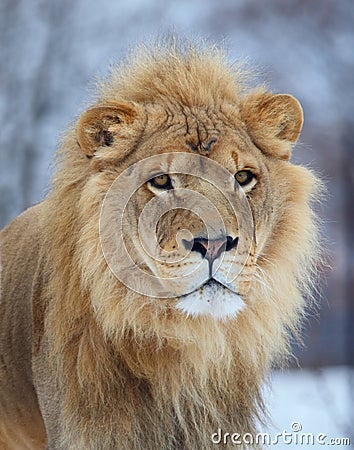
(105, 367)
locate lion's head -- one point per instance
(180, 130)
(178, 107)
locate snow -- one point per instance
(321, 400)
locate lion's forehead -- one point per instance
(202, 129)
(198, 130)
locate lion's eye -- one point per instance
(162, 182)
(244, 177)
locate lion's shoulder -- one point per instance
(20, 245)
(24, 227)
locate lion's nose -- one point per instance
(211, 249)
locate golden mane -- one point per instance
(170, 380)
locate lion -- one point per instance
(89, 363)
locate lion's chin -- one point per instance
(211, 299)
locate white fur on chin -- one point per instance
(211, 299)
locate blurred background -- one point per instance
(51, 52)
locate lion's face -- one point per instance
(193, 241)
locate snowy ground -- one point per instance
(319, 401)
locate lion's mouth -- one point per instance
(211, 299)
(214, 284)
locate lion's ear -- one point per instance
(98, 126)
(273, 121)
